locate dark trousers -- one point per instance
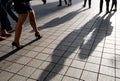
(3, 17)
(60, 2)
(114, 2)
(89, 3)
(107, 5)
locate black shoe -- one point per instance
(15, 44)
(59, 5)
(38, 36)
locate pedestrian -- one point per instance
(107, 5)
(89, 3)
(3, 20)
(24, 10)
(114, 4)
(69, 2)
(60, 2)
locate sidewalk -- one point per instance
(78, 44)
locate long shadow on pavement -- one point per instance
(72, 38)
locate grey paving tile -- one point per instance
(38, 49)
(117, 57)
(53, 58)
(54, 77)
(69, 54)
(89, 76)
(107, 70)
(118, 64)
(96, 54)
(66, 78)
(117, 79)
(108, 50)
(22, 52)
(5, 64)
(5, 76)
(65, 61)
(108, 56)
(31, 54)
(92, 67)
(95, 60)
(23, 60)
(30, 80)
(78, 64)
(42, 56)
(60, 69)
(39, 75)
(105, 78)
(118, 73)
(35, 63)
(26, 71)
(19, 78)
(73, 72)
(47, 66)
(14, 68)
(108, 62)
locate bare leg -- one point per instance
(19, 26)
(33, 22)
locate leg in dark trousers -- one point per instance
(101, 5)
(60, 2)
(84, 3)
(89, 3)
(107, 6)
(114, 3)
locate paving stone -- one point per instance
(66, 78)
(92, 67)
(54, 77)
(19, 78)
(118, 73)
(105, 78)
(73, 72)
(5, 76)
(107, 70)
(60, 69)
(108, 62)
(78, 64)
(26, 71)
(89, 76)
(35, 63)
(39, 75)
(14, 68)
(31, 54)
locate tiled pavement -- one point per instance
(78, 44)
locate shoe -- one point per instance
(59, 5)
(83, 5)
(38, 36)
(15, 44)
(6, 34)
(2, 38)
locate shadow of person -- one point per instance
(60, 20)
(99, 31)
(74, 40)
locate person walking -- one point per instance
(24, 10)
(60, 2)
(3, 20)
(69, 2)
(114, 4)
(89, 3)
(107, 5)
(44, 1)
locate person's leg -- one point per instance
(101, 5)
(107, 6)
(65, 2)
(115, 2)
(33, 24)
(60, 3)
(19, 26)
(84, 3)
(89, 3)
(10, 12)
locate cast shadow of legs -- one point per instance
(15, 50)
(74, 40)
(99, 31)
(60, 20)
